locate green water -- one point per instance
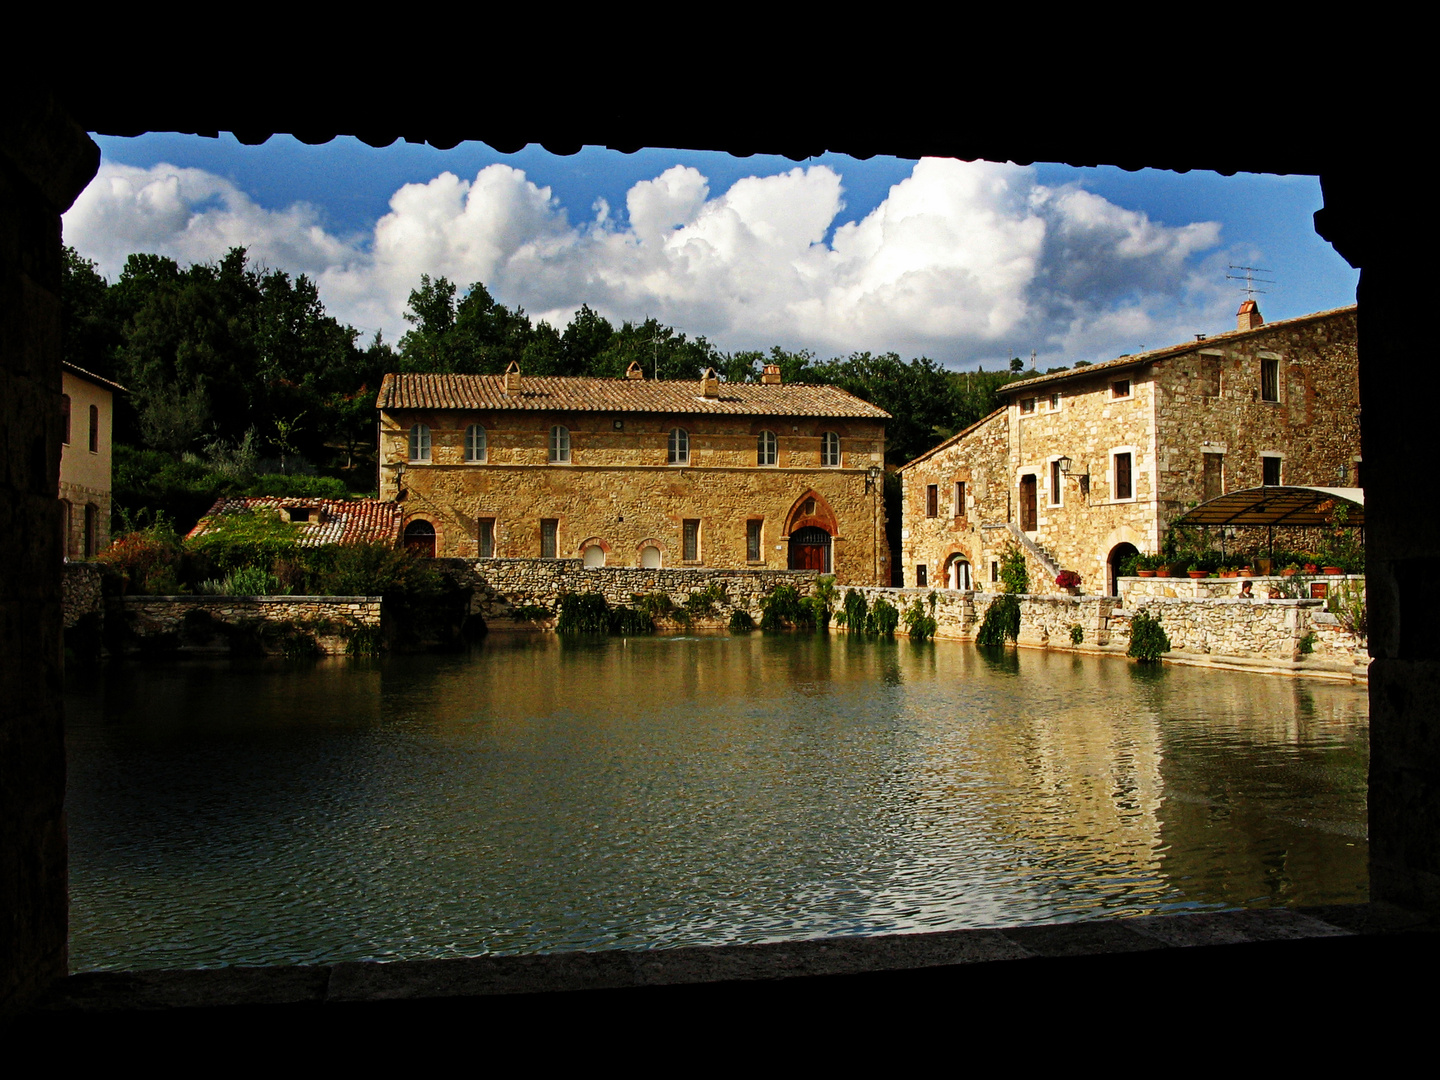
(540, 795)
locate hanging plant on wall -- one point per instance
(1002, 621)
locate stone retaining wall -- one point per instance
(208, 622)
(501, 586)
(81, 592)
(1137, 588)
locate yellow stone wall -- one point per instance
(85, 473)
(619, 493)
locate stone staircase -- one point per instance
(1038, 553)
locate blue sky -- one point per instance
(966, 263)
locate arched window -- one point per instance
(65, 419)
(830, 450)
(594, 555)
(559, 443)
(94, 429)
(650, 558)
(679, 446)
(474, 443)
(419, 443)
(766, 448)
(420, 538)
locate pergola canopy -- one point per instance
(1294, 506)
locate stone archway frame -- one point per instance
(593, 541)
(657, 544)
(1121, 534)
(823, 517)
(964, 552)
(428, 519)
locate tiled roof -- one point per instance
(1152, 356)
(559, 394)
(952, 440)
(90, 376)
(335, 521)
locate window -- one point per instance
(691, 549)
(994, 571)
(932, 500)
(94, 429)
(1027, 406)
(959, 498)
(1054, 400)
(921, 576)
(487, 538)
(1055, 480)
(1120, 388)
(679, 446)
(830, 450)
(1270, 380)
(766, 449)
(420, 538)
(65, 419)
(419, 443)
(1270, 470)
(300, 514)
(559, 444)
(92, 530)
(67, 511)
(650, 557)
(1210, 376)
(1124, 486)
(474, 443)
(752, 540)
(548, 528)
(1214, 477)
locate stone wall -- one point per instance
(1137, 588)
(501, 586)
(618, 495)
(82, 592)
(210, 623)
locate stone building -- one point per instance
(87, 413)
(637, 472)
(1082, 467)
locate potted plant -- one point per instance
(1332, 570)
(1068, 580)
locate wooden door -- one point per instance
(810, 550)
(1028, 505)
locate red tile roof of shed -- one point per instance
(338, 521)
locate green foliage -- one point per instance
(656, 605)
(245, 581)
(1148, 640)
(1343, 546)
(590, 613)
(785, 609)
(373, 570)
(1346, 602)
(147, 560)
(741, 622)
(920, 624)
(855, 611)
(1001, 621)
(1077, 635)
(532, 612)
(704, 604)
(883, 619)
(1014, 577)
(363, 640)
(1307, 644)
(245, 538)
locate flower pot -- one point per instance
(1196, 575)
(1162, 571)
(1264, 566)
(1289, 571)
(1331, 570)
(1310, 568)
(1229, 573)
(1145, 573)
(1246, 571)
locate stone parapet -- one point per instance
(81, 592)
(208, 622)
(1217, 588)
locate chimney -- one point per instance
(512, 379)
(1249, 317)
(771, 375)
(635, 371)
(710, 384)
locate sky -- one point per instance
(968, 263)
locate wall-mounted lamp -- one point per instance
(1067, 468)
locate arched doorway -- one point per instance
(957, 573)
(420, 538)
(810, 549)
(1118, 554)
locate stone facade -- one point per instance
(1145, 437)
(87, 415)
(628, 472)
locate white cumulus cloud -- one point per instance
(961, 261)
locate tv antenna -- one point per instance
(1248, 276)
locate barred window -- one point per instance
(691, 550)
(752, 540)
(548, 529)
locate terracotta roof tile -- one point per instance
(337, 521)
(1137, 359)
(553, 393)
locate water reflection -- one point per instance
(543, 794)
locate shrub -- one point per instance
(146, 560)
(884, 617)
(531, 612)
(1013, 574)
(702, 605)
(741, 622)
(363, 640)
(657, 605)
(1001, 622)
(785, 609)
(1148, 640)
(374, 570)
(855, 611)
(252, 581)
(921, 625)
(1307, 644)
(583, 613)
(246, 538)
(1347, 603)
(1077, 635)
